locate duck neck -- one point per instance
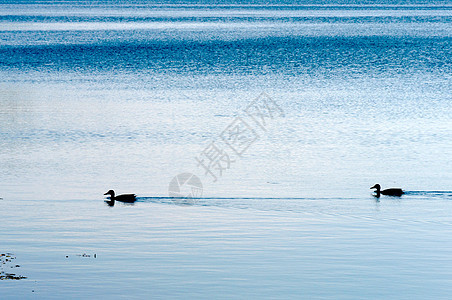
(378, 191)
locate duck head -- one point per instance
(377, 186)
(111, 193)
(111, 201)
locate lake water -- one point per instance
(126, 97)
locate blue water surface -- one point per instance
(103, 95)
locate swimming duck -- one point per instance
(388, 192)
(128, 198)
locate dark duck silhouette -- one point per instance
(388, 192)
(127, 198)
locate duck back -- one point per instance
(392, 192)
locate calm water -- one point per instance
(95, 97)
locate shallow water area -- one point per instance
(231, 248)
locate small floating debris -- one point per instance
(6, 260)
(84, 255)
(9, 276)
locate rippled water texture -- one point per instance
(101, 96)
